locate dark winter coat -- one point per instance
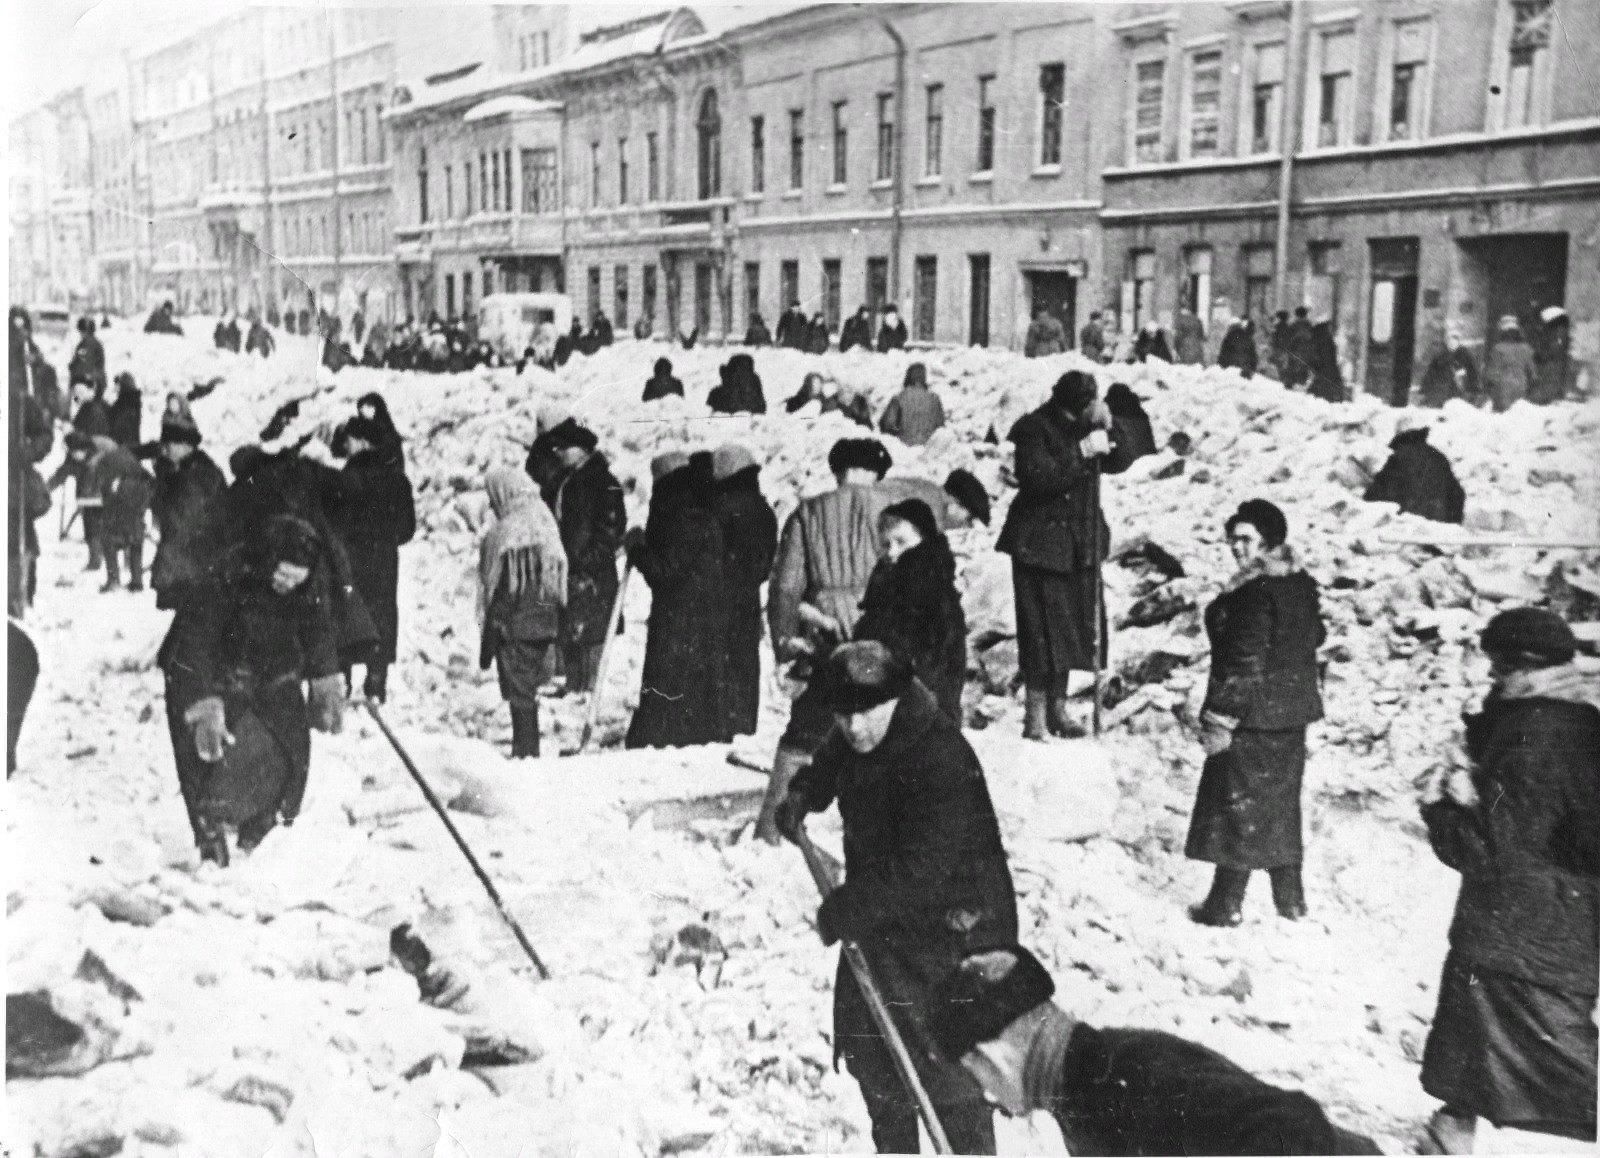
(818, 337)
(1418, 477)
(126, 413)
(740, 391)
(682, 695)
(1132, 424)
(1295, 362)
(749, 544)
(1327, 380)
(1144, 1092)
(1440, 383)
(183, 496)
(1151, 345)
(857, 332)
(88, 363)
(1553, 361)
(792, 329)
(913, 415)
(93, 418)
(1045, 336)
(261, 342)
(913, 608)
(926, 878)
(115, 476)
(1092, 341)
(1189, 338)
(1510, 372)
(660, 387)
(1529, 852)
(589, 509)
(1239, 350)
(374, 513)
(757, 334)
(1055, 521)
(892, 337)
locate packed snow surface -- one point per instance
(257, 1010)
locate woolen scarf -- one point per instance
(523, 545)
(1274, 562)
(1047, 1053)
(1566, 682)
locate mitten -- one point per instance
(211, 735)
(327, 702)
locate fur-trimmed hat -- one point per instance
(859, 676)
(729, 459)
(1074, 391)
(568, 434)
(985, 993)
(1530, 635)
(964, 487)
(859, 454)
(666, 463)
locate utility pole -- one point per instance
(1290, 119)
(896, 224)
(338, 211)
(269, 287)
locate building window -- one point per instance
(789, 284)
(619, 295)
(383, 140)
(488, 282)
(1258, 304)
(647, 293)
(752, 291)
(494, 165)
(539, 183)
(1149, 103)
(986, 115)
(832, 291)
(544, 48)
(505, 167)
(978, 304)
(594, 174)
(1334, 87)
(1325, 280)
(652, 166)
(466, 179)
(841, 143)
(622, 170)
(702, 297)
(924, 305)
(594, 292)
(1203, 133)
(1266, 97)
(1408, 80)
(1142, 273)
(483, 182)
(933, 133)
(422, 184)
(1528, 65)
(1197, 281)
(758, 154)
(450, 295)
(797, 147)
(877, 283)
(1052, 112)
(708, 127)
(885, 136)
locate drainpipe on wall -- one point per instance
(338, 203)
(1289, 122)
(896, 226)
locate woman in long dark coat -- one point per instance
(1264, 691)
(376, 515)
(680, 555)
(749, 543)
(1516, 811)
(912, 605)
(589, 509)
(1057, 538)
(126, 412)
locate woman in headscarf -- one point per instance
(125, 412)
(522, 586)
(1264, 691)
(912, 605)
(373, 408)
(740, 391)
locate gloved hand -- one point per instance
(832, 924)
(326, 702)
(211, 735)
(1099, 415)
(1095, 443)
(790, 814)
(287, 576)
(1216, 733)
(1458, 787)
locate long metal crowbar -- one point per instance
(455, 834)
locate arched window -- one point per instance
(709, 124)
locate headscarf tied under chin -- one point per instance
(524, 544)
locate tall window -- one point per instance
(1052, 105)
(708, 127)
(1334, 88)
(986, 115)
(450, 193)
(383, 139)
(1197, 281)
(758, 154)
(594, 290)
(1528, 67)
(505, 167)
(364, 138)
(466, 180)
(652, 168)
(619, 296)
(933, 133)
(1325, 280)
(1149, 103)
(1266, 97)
(877, 283)
(789, 284)
(841, 143)
(752, 290)
(1205, 103)
(539, 186)
(647, 293)
(483, 182)
(925, 302)
(1408, 82)
(797, 147)
(1258, 260)
(594, 174)
(622, 171)
(466, 295)
(449, 295)
(885, 136)
(1142, 273)
(494, 200)
(832, 286)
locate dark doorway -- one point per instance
(1516, 275)
(978, 322)
(877, 283)
(702, 297)
(1392, 319)
(1057, 292)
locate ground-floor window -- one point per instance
(924, 308)
(619, 295)
(647, 293)
(594, 291)
(752, 290)
(789, 283)
(832, 278)
(978, 321)
(702, 297)
(1258, 303)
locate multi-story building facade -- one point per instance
(119, 178)
(52, 232)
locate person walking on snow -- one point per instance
(749, 545)
(115, 481)
(593, 519)
(914, 414)
(187, 483)
(522, 585)
(127, 413)
(1514, 807)
(1510, 373)
(1045, 335)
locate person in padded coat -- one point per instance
(1418, 477)
(589, 510)
(749, 544)
(912, 606)
(1262, 694)
(926, 881)
(522, 583)
(187, 483)
(680, 554)
(1515, 809)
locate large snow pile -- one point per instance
(259, 1010)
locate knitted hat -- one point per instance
(665, 463)
(985, 993)
(1074, 391)
(729, 459)
(1264, 517)
(964, 487)
(860, 676)
(177, 430)
(567, 434)
(1538, 637)
(859, 454)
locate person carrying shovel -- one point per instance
(926, 882)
